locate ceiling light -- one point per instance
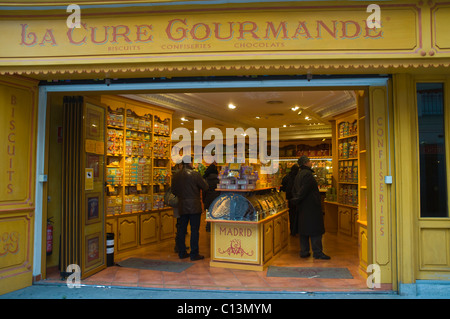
(184, 119)
(307, 118)
(231, 106)
(258, 117)
(295, 108)
(284, 125)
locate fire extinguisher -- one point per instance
(49, 236)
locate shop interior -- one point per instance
(326, 125)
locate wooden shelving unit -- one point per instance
(138, 173)
(348, 215)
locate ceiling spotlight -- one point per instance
(184, 119)
(300, 112)
(307, 118)
(284, 125)
(258, 117)
(295, 108)
(231, 106)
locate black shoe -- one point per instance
(322, 256)
(197, 257)
(184, 256)
(305, 255)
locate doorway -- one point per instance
(362, 250)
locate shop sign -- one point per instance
(236, 242)
(328, 30)
(16, 131)
(381, 203)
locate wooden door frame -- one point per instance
(350, 82)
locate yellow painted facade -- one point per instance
(171, 39)
(17, 181)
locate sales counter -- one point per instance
(249, 228)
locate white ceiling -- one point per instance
(273, 108)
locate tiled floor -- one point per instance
(342, 249)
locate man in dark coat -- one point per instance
(212, 178)
(287, 184)
(306, 196)
(186, 185)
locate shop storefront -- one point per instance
(397, 210)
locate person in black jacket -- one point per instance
(287, 184)
(212, 178)
(306, 196)
(186, 185)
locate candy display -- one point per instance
(134, 141)
(135, 122)
(161, 126)
(158, 201)
(348, 148)
(115, 118)
(137, 170)
(161, 146)
(161, 176)
(347, 129)
(114, 175)
(348, 168)
(348, 171)
(348, 194)
(113, 205)
(114, 141)
(243, 177)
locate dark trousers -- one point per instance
(177, 234)
(316, 245)
(194, 220)
(292, 213)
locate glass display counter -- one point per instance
(249, 228)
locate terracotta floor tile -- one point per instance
(150, 277)
(342, 250)
(126, 276)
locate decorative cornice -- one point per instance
(213, 68)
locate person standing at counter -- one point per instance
(287, 184)
(212, 178)
(186, 185)
(306, 197)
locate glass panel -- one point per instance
(433, 175)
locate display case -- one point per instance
(247, 206)
(249, 228)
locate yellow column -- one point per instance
(405, 177)
(381, 214)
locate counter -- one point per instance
(248, 229)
